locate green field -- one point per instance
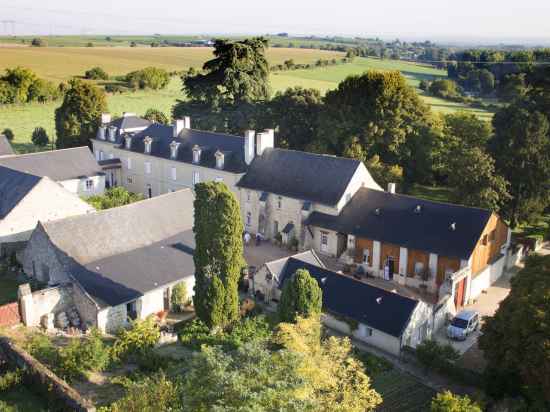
(61, 63)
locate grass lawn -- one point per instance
(435, 193)
(402, 392)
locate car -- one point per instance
(463, 324)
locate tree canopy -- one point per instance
(156, 116)
(516, 340)
(448, 402)
(301, 296)
(78, 117)
(218, 254)
(40, 137)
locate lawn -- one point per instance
(402, 392)
(20, 399)
(435, 193)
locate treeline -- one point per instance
(21, 85)
(152, 78)
(290, 65)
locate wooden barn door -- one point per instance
(459, 294)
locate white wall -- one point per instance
(486, 278)
(420, 325)
(78, 186)
(46, 201)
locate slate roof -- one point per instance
(5, 146)
(130, 122)
(276, 267)
(119, 254)
(58, 165)
(209, 142)
(378, 308)
(300, 175)
(14, 186)
(391, 218)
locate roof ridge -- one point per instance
(324, 155)
(42, 152)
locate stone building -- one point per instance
(121, 263)
(371, 314)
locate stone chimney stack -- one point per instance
(391, 188)
(101, 132)
(105, 118)
(249, 146)
(112, 133)
(179, 125)
(187, 122)
(265, 140)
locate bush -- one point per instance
(40, 137)
(9, 134)
(179, 298)
(114, 197)
(41, 347)
(140, 338)
(96, 73)
(148, 78)
(156, 116)
(10, 379)
(114, 88)
(432, 355)
(448, 402)
(38, 42)
(83, 355)
(374, 365)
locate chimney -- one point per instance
(179, 125)
(220, 158)
(391, 188)
(174, 146)
(187, 122)
(101, 132)
(249, 136)
(128, 142)
(105, 118)
(265, 140)
(112, 133)
(196, 154)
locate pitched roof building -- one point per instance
(124, 260)
(5, 146)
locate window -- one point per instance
(129, 163)
(275, 227)
(248, 218)
(130, 179)
(97, 156)
(218, 179)
(366, 256)
(324, 241)
(148, 168)
(279, 202)
(111, 156)
(484, 240)
(196, 178)
(368, 332)
(248, 195)
(89, 184)
(173, 173)
(418, 268)
(101, 155)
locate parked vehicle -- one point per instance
(463, 324)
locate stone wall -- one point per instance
(37, 304)
(86, 307)
(44, 380)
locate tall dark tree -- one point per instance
(218, 254)
(78, 117)
(521, 149)
(295, 115)
(40, 137)
(221, 97)
(377, 107)
(516, 340)
(301, 296)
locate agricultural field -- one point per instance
(61, 63)
(402, 392)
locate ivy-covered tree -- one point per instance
(79, 116)
(218, 254)
(301, 296)
(516, 340)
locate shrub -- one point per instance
(38, 42)
(10, 379)
(179, 298)
(148, 78)
(40, 137)
(448, 402)
(96, 73)
(83, 355)
(41, 347)
(9, 134)
(114, 88)
(156, 116)
(141, 337)
(432, 355)
(374, 365)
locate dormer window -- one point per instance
(220, 158)
(174, 149)
(418, 209)
(196, 154)
(148, 143)
(112, 133)
(128, 142)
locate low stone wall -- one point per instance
(49, 383)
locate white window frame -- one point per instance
(147, 168)
(130, 179)
(366, 255)
(129, 163)
(279, 202)
(324, 241)
(89, 184)
(248, 219)
(101, 155)
(174, 173)
(418, 268)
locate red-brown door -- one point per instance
(459, 294)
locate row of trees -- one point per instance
(21, 85)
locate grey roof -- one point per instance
(391, 218)
(210, 142)
(14, 186)
(125, 277)
(276, 267)
(300, 175)
(5, 146)
(378, 308)
(121, 253)
(130, 122)
(58, 165)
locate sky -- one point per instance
(506, 21)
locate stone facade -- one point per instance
(43, 302)
(46, 201)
